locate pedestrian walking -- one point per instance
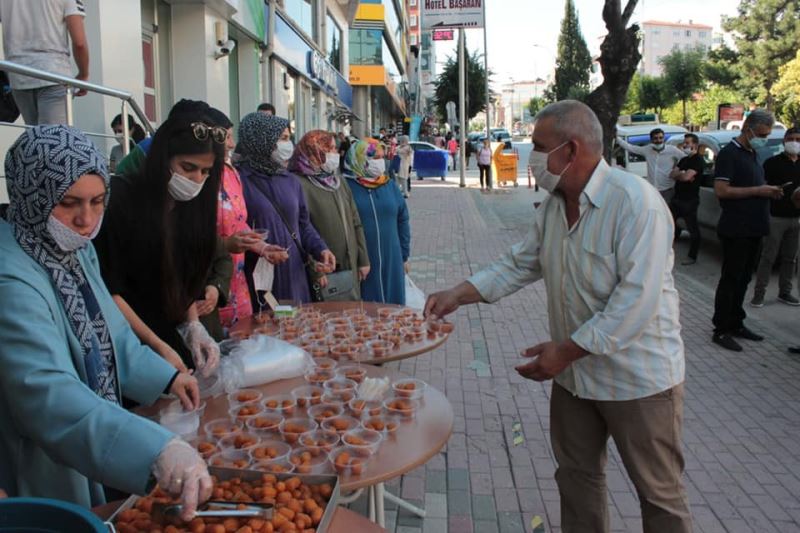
(744, 198)
(406, 155)
(38, 35)
(661, 160)
(468, 149)
(485, 166)
(452, 149)
(684, 204)
(782, 170)
(616, 353)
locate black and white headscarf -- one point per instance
(258, 136)
(40, 167)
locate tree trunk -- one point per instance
(619, 58)
(684, 112)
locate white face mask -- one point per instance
(68, 239)
(120, 138)
(331, 163)
(792, 147)
(263, 275)
(659, 146)
(283, 151)
(538, 163)
(376, 167)
(183, 189)
(688, 150)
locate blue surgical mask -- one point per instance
(758, 142)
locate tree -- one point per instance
(653, 94)
(766, 33)
(704, 110)
(573, 60)
(536, 104)
(446, 85)
(683, 74)
(619, 57)
(786, 91)
(720, 67)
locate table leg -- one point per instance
(350, 498)
(380, 493)
(372, 503)
(404, 504)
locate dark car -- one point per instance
(501, 135)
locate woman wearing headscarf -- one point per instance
(275, 202)
(330, 204)
(384, 215)
(158, 243)
(67, 353)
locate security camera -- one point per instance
(224, 48)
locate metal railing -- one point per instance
(128, 103)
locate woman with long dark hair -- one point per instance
(159, 239)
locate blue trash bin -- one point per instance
(43, 515)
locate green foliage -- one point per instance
(766, 34)
(654, 94)
(683, 75)
(536, 104)
(704, 110)
(720, 67)
(573, 60)
(446, 85)
(631, 105)
(786, 91)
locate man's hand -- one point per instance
(551, 359)
(770, 191)
(207, 306)
(363, 272)
(185, 387)
(442, 303)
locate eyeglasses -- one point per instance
(201, 131)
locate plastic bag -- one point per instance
(262, 359)
(415, 298)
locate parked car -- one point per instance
(737, 125)
(709, 210)
(640, 136)
(475, 139)
(501, 135)
(429, 161)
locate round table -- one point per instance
(413, 444)
(247, 326)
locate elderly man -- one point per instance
(602, 243)
(744, 198)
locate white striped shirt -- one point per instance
(609, 286)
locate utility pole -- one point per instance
(486, 71)
(462, 112)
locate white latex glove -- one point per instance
(205, 351)
(181, 471)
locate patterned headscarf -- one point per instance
(41, 166)
(309, 156)
(355, 163)
(258, 136)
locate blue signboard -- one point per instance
(298, 54)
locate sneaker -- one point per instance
(746, 333)
(788, 299)
(727, 342)
(757, 301)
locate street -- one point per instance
(741, 417)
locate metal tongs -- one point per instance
(221, 509)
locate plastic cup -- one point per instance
(244, 396)
(280, 403)
(360, 407)
(264, 424)
(222, 427)
(231, 459)
(338, 398)
(292, 428)
(361, 437)
(319, 351)
(309, 461)
(319, 439)
(379, 348)
(340, 424)
(181, 422)
(280, 465)
(402, 407)
(387, 424)
(318, 376)
(205, 446)
(340, 384)
(307, 395)
(322, 412)
(268, 450)
(244, 412)
(239, 441)
(324, 363)
(349, 460)
(355, 372)
(409, 388)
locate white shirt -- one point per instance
(609, 286)
(659, 164)
(35, 35)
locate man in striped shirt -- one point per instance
(602, 242)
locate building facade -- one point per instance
(660, 38)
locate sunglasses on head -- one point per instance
(202, 131)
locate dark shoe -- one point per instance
(757, 301)
(794, 350)
(727, 342)
(788, 299)
(745, 333)
(689, 261)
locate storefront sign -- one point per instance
(438, 14)
(367, 75)
(442, 35)
(322, 71)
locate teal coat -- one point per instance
(58, 439)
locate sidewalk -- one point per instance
(742, 413)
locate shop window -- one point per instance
(302, 14)
(366, 47)
(334, 43)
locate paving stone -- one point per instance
(483, 507)
(435, 505)
(458, 502)
(436, 481)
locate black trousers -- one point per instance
(687, 210)
(739, 260)
(485, 172)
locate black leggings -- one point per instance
(485, 170)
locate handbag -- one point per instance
(341, 286)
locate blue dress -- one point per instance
(384, 214)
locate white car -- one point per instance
(737, 125)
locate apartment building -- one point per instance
(660, 38)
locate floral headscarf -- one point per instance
(355, 163)
(41, 166)
(258, 136)
(309, 156)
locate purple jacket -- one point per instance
(291, 280)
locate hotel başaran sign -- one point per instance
(442, 14)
